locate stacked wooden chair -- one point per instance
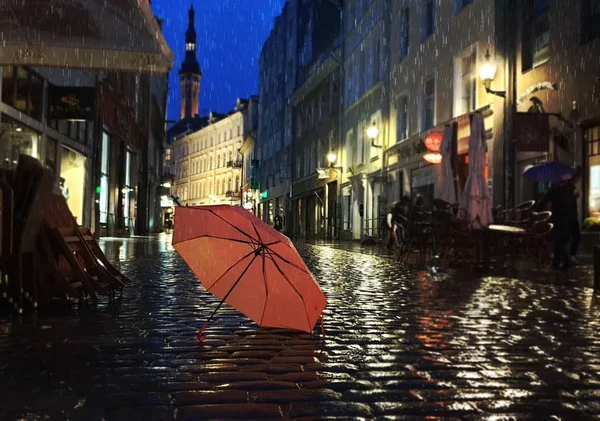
(44, 255)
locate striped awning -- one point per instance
(83, 34)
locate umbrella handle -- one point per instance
(201, 338)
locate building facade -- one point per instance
(209, 162)
(277, 80)
(315, 108)
(366, 28)
(436, 51)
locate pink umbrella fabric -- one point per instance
(475, 202)
(249, 265)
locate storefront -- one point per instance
(73, 179)
(591, 137)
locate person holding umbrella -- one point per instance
(562, 203)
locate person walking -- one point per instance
(560, 197)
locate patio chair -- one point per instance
(522, 211)
(537, 243)
(419, 238)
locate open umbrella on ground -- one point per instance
(249, 265)
(475, 200)
(548, 172)
(445, 187)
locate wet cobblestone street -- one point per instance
(400, 344)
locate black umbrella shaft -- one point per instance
(231, 289)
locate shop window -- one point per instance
(465, 82)
(404, 32)
(590, 20)
(428, 116)
(72, 181)
(402, 118)
(127, 190)
(51, 145)
(428, 19)
(16, 139)
(536, 34)
(23, 90)
(592, 142)
(104, 168)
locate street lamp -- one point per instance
(487, 73)
(372, 133)
(331, 158)
(167, 185)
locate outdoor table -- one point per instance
(496, 230)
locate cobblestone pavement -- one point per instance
(400, 344)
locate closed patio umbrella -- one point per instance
(445, 187)
(475, 202)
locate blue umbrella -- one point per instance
(551, 172)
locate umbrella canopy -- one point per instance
(249, 265)
(445, 187)
(475, 200)
(550, 172)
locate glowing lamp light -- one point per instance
(433, 158)
(167, 185)
(331, 157)
(373, 132)
(433, 142)
(487, 72)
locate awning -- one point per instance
(83, 34)
(305, 194)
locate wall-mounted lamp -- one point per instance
(372, 133)
(487, 73)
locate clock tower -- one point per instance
(189, 73)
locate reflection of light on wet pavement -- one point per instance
(399, 344)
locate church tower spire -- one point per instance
(189, 73)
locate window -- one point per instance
(402, 116)
(404, 32)
(23, 90)
(590, 20)
(428, 19)
(239, 130)
(465, 82)
(127, 190)
(592, 144)
(360, 147)
(377, 65)
(104, 168)
(348, 149)
(536, 34)
(189, 46)
(136, 103)
(459, 5)
(428, 116)
(211, 163)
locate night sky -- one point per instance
(230, 37)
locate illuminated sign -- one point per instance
(263, 195)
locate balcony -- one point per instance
(232, 194)
(234, 164)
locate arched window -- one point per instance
(237, 183)
(224, 186)
(211, 164)
(229, 187)
(230, 156)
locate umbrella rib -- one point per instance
(287, 261)
(290, 283)
(219, 238)
(262, 318)
(228, 270)
(256, 231)
(233, 226)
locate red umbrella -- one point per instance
(249, 265)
